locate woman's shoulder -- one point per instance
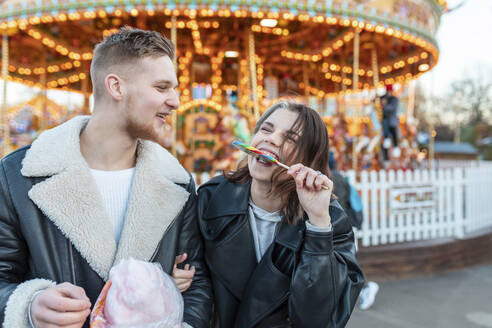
(212, 183)
(219, 196)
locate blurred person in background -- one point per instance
(349, 199)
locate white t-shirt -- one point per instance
(263, 224)
(114, 187)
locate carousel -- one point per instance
(234, 59)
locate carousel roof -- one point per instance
(36, 105)
(306, 44)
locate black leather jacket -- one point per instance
(305, 279)
(31, 246)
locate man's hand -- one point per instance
(183, 278)
(64, 305)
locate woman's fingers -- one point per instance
(183, 274)
(308, 178)
(183, 278)
(301, 177)
(323, 181)
(294, 169)
(180, 259)
(183, 286)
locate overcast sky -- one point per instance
(465, 44)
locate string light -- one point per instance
(60, 48)
(270, 30)
(184, 76)
(199, 102)
(187, 24)
(217, 76)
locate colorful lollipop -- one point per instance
(257, 153)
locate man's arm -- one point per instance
(198, 298)
(15, 292)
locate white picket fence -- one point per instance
(422, 204)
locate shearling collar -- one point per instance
(70, 199)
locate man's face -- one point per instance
(149, 98)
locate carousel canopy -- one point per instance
(37, 105)
(300, 45)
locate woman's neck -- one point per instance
(261, 196)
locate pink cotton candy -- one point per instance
(142, 295)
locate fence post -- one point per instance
(352, 178)
(458, 203)
(368, 227)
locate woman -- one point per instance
(279, 248)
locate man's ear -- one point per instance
(114, 86)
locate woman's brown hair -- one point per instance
(311, 150)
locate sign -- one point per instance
(407, 198)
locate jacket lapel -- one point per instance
(154, 202)
(268, 287)
(70, 199)
(229, 206)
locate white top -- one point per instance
(114, 187)
(264, 226)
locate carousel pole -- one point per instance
(85, 91)
(252, 67)
(432, 133)
(375, 78)
(42, 80)
(411, 99)
(44, 116)
(432, 127)
(355, 76)
(5, 127)
(174, 115)
(305, 80)
(355, 82)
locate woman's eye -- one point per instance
(266, 129)
(290, 139)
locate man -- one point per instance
(96, 190)
(390, 120)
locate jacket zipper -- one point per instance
(74, 281)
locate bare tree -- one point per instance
(470, 98)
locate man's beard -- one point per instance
(143, 130)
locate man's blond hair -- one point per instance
(125, 47)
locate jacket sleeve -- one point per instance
(15, 291)
(327, 279)
(198, 298)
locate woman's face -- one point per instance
(270, 136)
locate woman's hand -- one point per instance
(314, 199)
(183, 278)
